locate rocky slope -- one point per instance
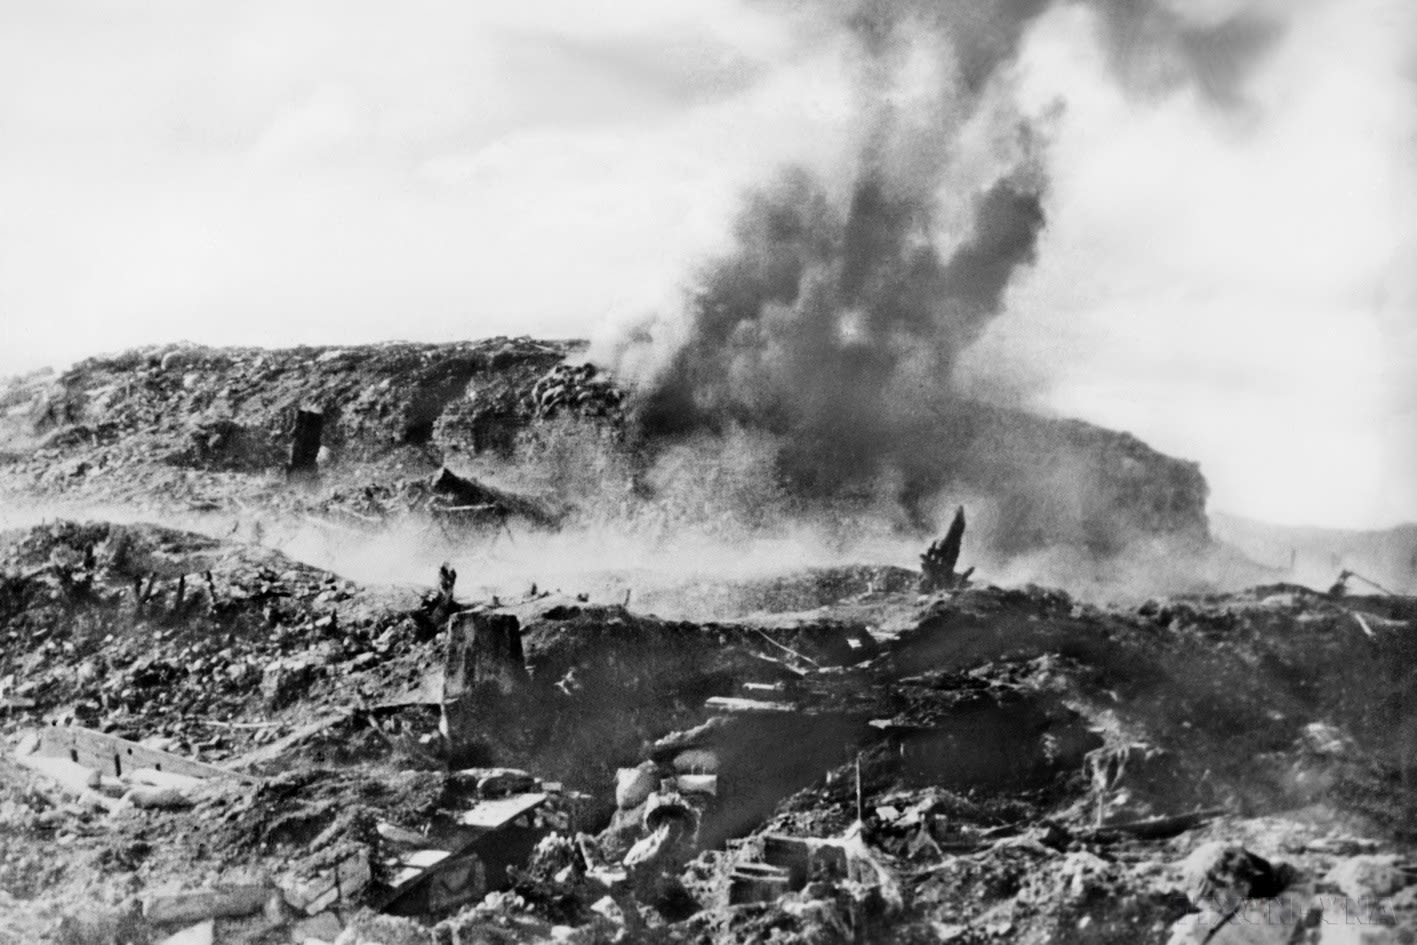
(980, 765)
(202, 429)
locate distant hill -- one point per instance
(1315, 556)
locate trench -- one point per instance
(640, 699)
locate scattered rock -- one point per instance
(633, 786)
(1368, 877)
(284, 681)
(1223, 875)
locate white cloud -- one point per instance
(1214, 281)
(279, 173)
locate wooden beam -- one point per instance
(111, 755)
(731, 704)
(498, 812)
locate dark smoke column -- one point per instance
(837, 319)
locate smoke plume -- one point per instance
(837, 318)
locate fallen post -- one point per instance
(1157, 828)
(733, 705)
(196, 905)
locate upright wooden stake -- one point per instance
(860, 801)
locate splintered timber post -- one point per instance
(860, 799)
(305, 445)
(937, 564)
(485, 663)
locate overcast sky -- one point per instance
(1236, 286)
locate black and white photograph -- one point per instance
(701, 472)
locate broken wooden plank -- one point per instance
(111, 755)
(400, 836)
(72, 778)
(733, 704)
(496, 813)
(1158, 827)
(405, 868)
(786, 649)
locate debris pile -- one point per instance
(224, 744)
(581, 389)
(219, 737)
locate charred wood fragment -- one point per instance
(438, 606)
(937, 564)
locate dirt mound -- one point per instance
(213, 430)
(233, 408)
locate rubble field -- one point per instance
(209, 740)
